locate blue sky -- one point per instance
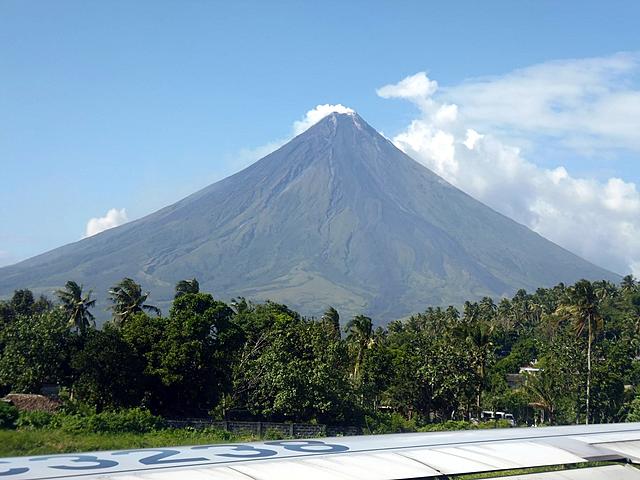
(119, 104)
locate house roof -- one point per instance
(31, 402)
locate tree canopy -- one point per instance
(558, 355)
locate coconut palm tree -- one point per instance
(544, 392)
(128, 299)
(76, 307)
(476, 331)
(332, 318)
(360, 335)
(240, 305)
(628, 284)
(488, 308)
(187, 286)
(582, 306)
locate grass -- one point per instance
(14, 443)
(524, 471)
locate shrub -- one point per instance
(448, 425)
(36, 420)
(463, 425)
(134, 420)
(634, 410)
(383, 422)
(73, 423)
(222, 435)
(8, 415)
(74, 407)
(274, 434)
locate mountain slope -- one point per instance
(338, 216)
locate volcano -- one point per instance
(338, 216)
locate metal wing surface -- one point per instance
(378, 457)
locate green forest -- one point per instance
(264, 361)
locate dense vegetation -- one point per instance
(266, 362)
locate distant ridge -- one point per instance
(338, 216)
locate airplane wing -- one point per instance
(377, 457)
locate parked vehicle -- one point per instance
(488, 415)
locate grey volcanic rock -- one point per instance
(338, 216)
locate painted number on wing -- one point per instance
(161, 457)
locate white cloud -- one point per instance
(417, 88)
(587, 104)
(473, 147)
(113, 218)
(472, 138)
(315, 115)
(249, 155)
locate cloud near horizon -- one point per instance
(112, 218)
(475, 135)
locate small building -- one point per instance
(529, 369)
(29, 402)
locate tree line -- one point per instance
(264, 361)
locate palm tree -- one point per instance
(240, 305)
(187, 286)
(76, 307)
(360, 334)
(582, 307)
(477, 331)
(628, 284)
(332, 318)
(488, 309)
(544, 392)
(128, 299)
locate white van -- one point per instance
(487, 415)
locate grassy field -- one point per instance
(526, 471)
(38, 433)
(35, 442)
